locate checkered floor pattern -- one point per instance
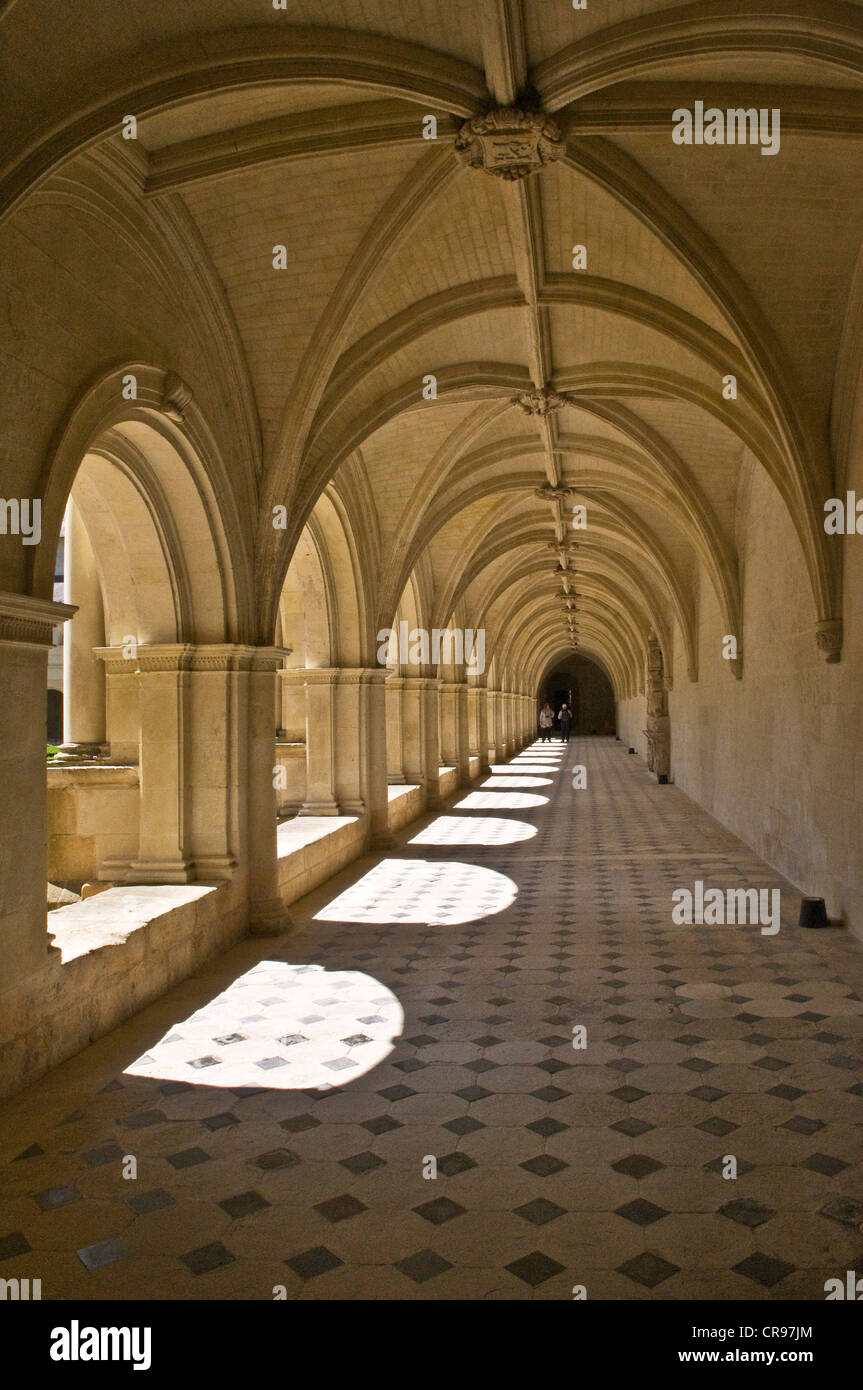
(388, 1104)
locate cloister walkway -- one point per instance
(282, 1139)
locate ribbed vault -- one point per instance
(434, 384)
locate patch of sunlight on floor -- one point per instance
(530, 765)
(474, 830)
(282, 1026)
(523, 780)
(437, 893)
(500, 801)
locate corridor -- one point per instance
(282, 1141)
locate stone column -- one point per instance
(496, 725)
(462, 744)
(83, 673)
(376, 788)
(26, 626)
(291, 703)
(215, 736)
(477, 697)
(163, 735)
(320, 747)
(267, 914)
(395, 730)
(350, 736)
(449, 723)
(420, 743)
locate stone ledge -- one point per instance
(112, 918)
(313, 848)
(92, 774)
(110, 966)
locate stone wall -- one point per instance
(93, 812)
(775, 756)
(112, 955)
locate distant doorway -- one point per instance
(585, 687)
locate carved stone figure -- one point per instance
(658, 731)
(509, 142)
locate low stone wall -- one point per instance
(406, 803)
(448, 781)
(313, 848)
(118, 951)
(92, 815)
(113, 954)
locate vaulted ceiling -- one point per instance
(555, 386)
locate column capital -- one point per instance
(421, 682)
(186, 656)
(24, 619)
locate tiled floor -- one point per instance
(283, 1109)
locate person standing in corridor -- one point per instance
(546, 719)
(564, 719)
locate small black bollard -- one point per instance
(813, 912)
(663, 779)
(632, 750)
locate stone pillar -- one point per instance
(25, 636)
(421, 749)
(496, 724)
(216, 732)
(350, 741)
(395, 730)
(478, 725)
(431, 734)
(291, 704)
(376, 788)
(267, 914)
(83, 673)
(163, 736)
(320, 743)
(462, 747)
(449, 723)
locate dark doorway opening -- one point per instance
(584, 686)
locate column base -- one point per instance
(319, 808)
(383, 840)
(159, 871)
(80, 753)
(352, 808)
(269, 918)
(218, 866)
